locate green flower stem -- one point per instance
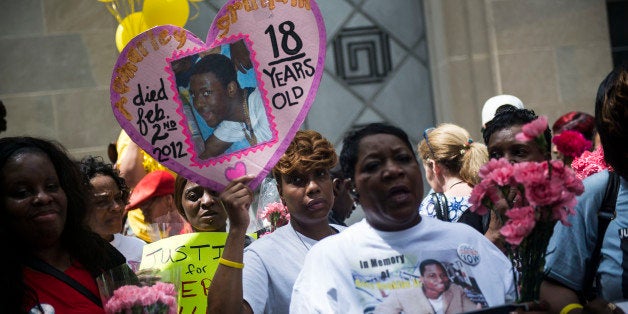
(529, 258)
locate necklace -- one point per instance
(247, 128)
(307, 248)
(451, 186)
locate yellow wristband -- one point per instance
(569, 307)
(231, 264)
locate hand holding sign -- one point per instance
(236, 200)
(210, 126)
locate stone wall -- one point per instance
(550, 53)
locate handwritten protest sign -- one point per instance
(196, 255)
(168, 93)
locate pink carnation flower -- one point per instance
(571, 143)
(478, 194)
(532, 130)
(158, 298)
(493, 164)
(114, 305)
(271, 208)
(519, 225)
(476, 199)
(568, 178)
(164, 287)
(529, 172)
(148, 296)
(502, 176)
(542, 193)
(276, 213)
(170, 302)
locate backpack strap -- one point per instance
(440, 206)
(605, 214)
(46, 268)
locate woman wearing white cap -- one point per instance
(493, 104)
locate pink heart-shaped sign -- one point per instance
(213, 112)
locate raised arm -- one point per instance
(240, 56)
(225, 291)
(130, 164)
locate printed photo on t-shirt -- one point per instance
(434, 282)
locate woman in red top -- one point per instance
(42, 228)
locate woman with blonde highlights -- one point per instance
(261, 279)
(451, 160)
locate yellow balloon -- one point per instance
(131, 26)
(162, 12)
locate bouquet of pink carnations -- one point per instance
(160, 298)
(150, 291)
(528, 198)
(276, 214)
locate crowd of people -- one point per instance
(66, 221)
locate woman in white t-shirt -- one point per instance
(377, 260)
(259, 279)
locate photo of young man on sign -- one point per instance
(225, 113)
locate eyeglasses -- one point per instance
(428, 130)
